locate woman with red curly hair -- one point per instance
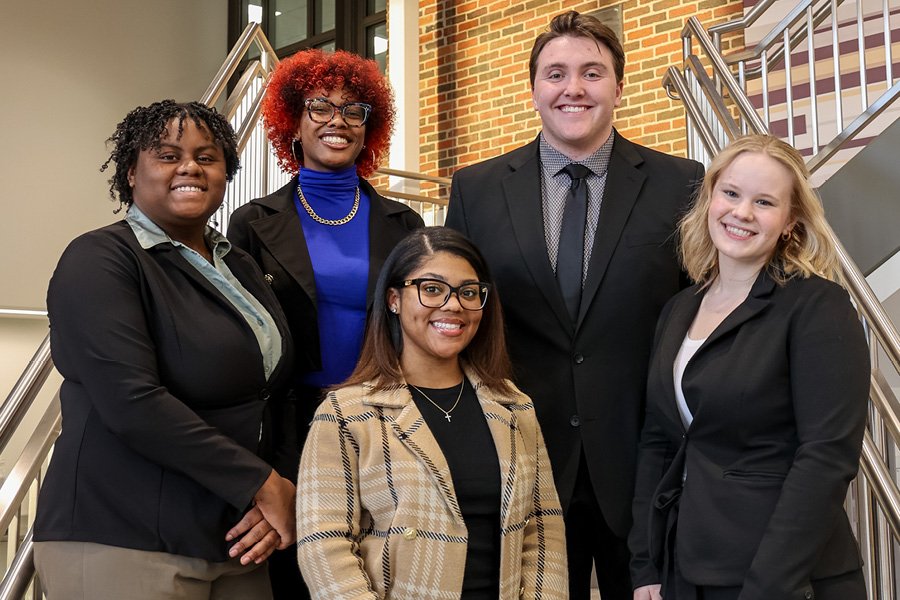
(322, 238)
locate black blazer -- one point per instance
(779, 394)
(269, 230)
(165, 403)
(586, 378)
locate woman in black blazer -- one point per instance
(174, 355)
(322, 238)
(757, 399)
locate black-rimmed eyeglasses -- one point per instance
(321, 110)
(434, 293)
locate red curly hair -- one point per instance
(297, 76)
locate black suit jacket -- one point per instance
(587, 378)
(165, 404)
(269, 229)
(779, 397)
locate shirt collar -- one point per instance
(553, 161)
(149, 234)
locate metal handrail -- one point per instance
(252, 34)
(21, 571)
(883, 486)
(25, 391)
(29, 462)
(415, 176)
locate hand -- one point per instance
(648, 592)
(258, 538)
(275, 500)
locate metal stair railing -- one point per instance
(18, 493)
(718, 109)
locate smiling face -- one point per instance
(750, 209)
(182, 183)
(331, 146)
(575, 91)
(434, 337)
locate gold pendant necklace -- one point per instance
(438, 406)
(332, 222)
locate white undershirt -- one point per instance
(685, 353)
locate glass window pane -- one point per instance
(375, 6)
(377, 45)
(253, 14)
(325, 20)
(290, 24)
(327, 46)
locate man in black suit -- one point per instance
(584, 260)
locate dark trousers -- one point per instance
(849, 586)
(590, 542)
(287, 583)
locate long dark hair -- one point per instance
(379, 362)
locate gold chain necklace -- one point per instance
(332, 222)
(438, 406)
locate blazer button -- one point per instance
(808, 595)
(269, 278)
(579, 358)
(410, 533)
(265, 395)
(575, 421)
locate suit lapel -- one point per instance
(522, 188)
(623, 184)
(246, 271)
(409, 426)
(504, 431)
(756, 302)
(170, 254)
(282, 235)
(671, 337)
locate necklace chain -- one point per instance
(438, 406)
(332, 222)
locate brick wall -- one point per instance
(475, 98)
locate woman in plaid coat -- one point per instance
(425, 474)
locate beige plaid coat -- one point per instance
(377, 516)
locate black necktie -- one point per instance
(570, 257)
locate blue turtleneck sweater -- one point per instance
(340, 259)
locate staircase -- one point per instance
(822, 78)
(817, 76)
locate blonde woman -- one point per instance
(757, 398)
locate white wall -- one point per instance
(70, 71)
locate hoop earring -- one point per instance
(294, 152)
(786, 236)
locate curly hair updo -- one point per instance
(296, 77)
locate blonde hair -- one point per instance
(808, 249)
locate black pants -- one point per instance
(590, 542)
(287, 583)
(849, 586)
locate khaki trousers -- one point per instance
(86, 571)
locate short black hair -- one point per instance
(143, 129)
